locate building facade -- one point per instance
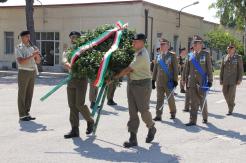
(53, 23)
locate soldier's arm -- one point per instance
(21, 60)
(66, 64)
(175, 68)
(222, 71)
(154, 72)
(134, 65)
(37, 59)
(209, 68)
(183, 73)
(240, 70)
(124, 72)
(187, 69)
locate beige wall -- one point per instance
(64, 19)
(165, 22)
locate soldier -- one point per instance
(27, 57)
(92, 94)
(187, 96)
(231, 74)
(138, 91)
(76, 92)
(166, 74)
(110, 95)
(198, 73)
(182, 56)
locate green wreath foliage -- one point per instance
(88, 63)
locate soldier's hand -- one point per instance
(153, 84)
(210, 84)
(35, 53)
(67, 66)
(175, 83)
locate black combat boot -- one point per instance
(229, 113)
(90, 126)
(151, 135)
(111, 102)
(205, 121)
(157, 118)
(132, 141)
(73, 133)
(186, 110)
(190, 124)
(24, 119)
(172, 116)
(31, 118)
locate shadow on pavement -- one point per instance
(216, 116)
(153, 102)
(120, 108)
(180, 125)
(230, 134)
(180, 96)
(238, 115)
(32, 126)
(90, 150)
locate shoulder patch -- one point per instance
(19, 46)
(205, 52)
(140, 53)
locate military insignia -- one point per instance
(140, 53)
(202, 59)
(234, 60)
(168, 61)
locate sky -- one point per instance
(200, 9)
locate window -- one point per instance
(8, 42)
(159, 35)
(189, 43)
(48, 43)
(175, 43)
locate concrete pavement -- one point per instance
(223, 140)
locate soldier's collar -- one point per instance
(197, 52)
(140, 51)
(165, 53)
(22, 44)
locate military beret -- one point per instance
(139, 36)
(164, 41)
(231, 46)
(196, 38)
(171, 48)
(181, 49)
(23, 33)
(74, 33)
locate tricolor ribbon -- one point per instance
(105, 61)
(120, 26)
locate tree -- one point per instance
(219, 40)
(232, 13)
(30, 20)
